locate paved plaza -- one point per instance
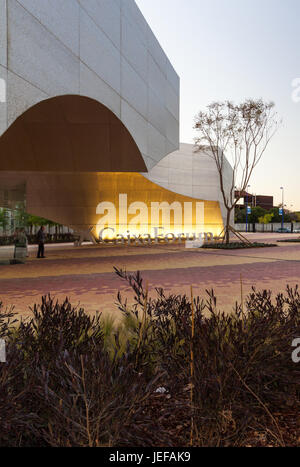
(86, 274)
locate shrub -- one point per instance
(245, 383)
(237, 245)
(76, 380)
(60, 387)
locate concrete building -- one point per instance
(262, 201)
(89, 106)
(100, 49)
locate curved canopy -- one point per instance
(69, 134)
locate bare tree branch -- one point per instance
(244, 131)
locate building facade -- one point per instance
(262, 201)
(89, 114)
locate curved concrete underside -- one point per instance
(69, 134)
(101, 49)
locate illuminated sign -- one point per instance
(122, 206)
(193, 240)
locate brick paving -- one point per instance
(86, 274)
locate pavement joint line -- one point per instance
(178, 252)
(253, 257)
(129, 270)
(167, 251)
(59, 258)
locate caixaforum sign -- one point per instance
(144, 222)
(192, 240)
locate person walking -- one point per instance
(41, 237)
(16, 242)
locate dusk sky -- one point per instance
(232, 50)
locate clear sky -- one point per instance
(237, 49)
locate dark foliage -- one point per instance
(257, 212)
(245, 382)
(61, 386)
(237, 245)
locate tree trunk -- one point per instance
(227, 233)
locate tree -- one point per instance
(240, 216)
(277, 218)
(266, 219)
(257, 212)
(24, 219)
(243, 132)
(4, 222)
(253, 218)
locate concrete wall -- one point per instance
(267, 227)
(191, 174)
(103, 49)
